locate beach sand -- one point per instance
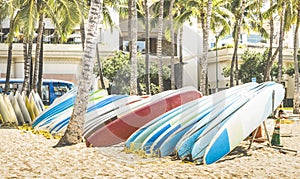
(27, 155)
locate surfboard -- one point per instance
(4, 111)
(243, 122)
(12, 113)
(39, 101)
(23, 108)
(17, 109)
(120, 129)
(29, 107)
(33, 105)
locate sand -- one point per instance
(27, 155)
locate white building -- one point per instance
(62, 61)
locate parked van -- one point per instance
(51, 88)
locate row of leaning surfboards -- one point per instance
(111, 119)
(18, 109)
(207, 129)
(181, 122)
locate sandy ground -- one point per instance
(26, 155)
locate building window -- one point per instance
(140, 46)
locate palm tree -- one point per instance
(281, 39)
(239, 15)
(133, 52)
(25, 86)
(172, 43)
(64, 16)
(269, 14)
(41, 63)
(203, 61)
(74, 130)
(160, 26)
(37, 51)
(10, 8)
(296, 46)
(147, 46)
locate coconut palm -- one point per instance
(10, 8)
(296, 46)
(28, 13)
(203, 60)
(132, 23)
(172, 43)
(37, 51)
(239, 9)
(269, 15)
(74, 130)
(281, 12)
(160, 26)
(147, 46)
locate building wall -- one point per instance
(224, 60)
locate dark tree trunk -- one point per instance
(147, 47)
(100, 68)
(269, 64)
(281, 39)
(41, 66)
(25, 87)
(8, 68)
(37, 52)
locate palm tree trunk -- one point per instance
(296, 46)
(203, 61)
(82, 34)
(130, 27)
(172, 44)
(269, 64)
(159, 45)
(147, 47)
(281, 39)
(37, 52)
(41, 65)
(25, 86)
(134, 70)
(8, 68)
(82, 5)
(180, 83)
(180, 44)
(100, 68)
(9, 55)
(237, 32)
(74, 130)
(30, 65)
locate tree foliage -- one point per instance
(252, 66)
(117, 70)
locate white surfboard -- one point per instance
(243, 122)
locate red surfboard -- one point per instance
(120, 129)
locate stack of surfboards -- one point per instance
(117, 125)
(207, 129)
(56, 116)
(19, 109)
